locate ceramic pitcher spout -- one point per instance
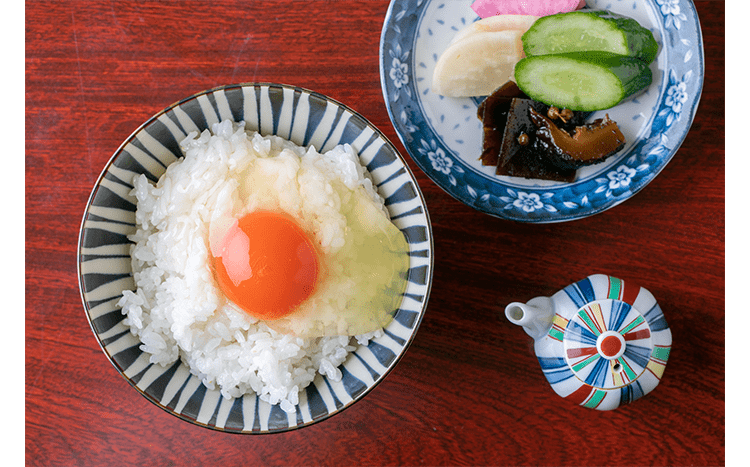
(535, 316)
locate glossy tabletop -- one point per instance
(469, 390)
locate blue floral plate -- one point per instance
(444, 136)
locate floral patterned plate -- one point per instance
(443, 135)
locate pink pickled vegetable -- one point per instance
(486, 8)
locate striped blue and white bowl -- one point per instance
(306, 118)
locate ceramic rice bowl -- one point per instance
(104, 264)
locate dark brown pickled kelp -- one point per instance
(520, 153)
(529, 139)
(589, 144)
(493, 112)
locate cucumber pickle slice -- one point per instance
(590, 30)
(585, 81)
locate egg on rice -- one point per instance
(260, 263)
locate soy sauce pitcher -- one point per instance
(601, 342)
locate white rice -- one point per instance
(178, 312)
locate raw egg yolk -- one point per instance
(267, 265)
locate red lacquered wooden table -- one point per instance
(469, 390)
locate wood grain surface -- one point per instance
(469, 390)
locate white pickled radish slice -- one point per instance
(477, 64)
